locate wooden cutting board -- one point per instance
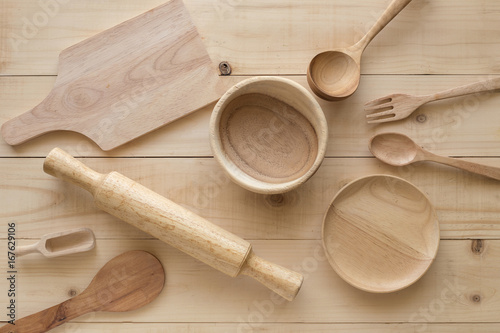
(126, 81)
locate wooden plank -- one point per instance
(467, 205)
(449, 127)
(460, 287)
(277, 328)
(426, 38)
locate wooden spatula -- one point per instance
(127, 282)
(126, 81)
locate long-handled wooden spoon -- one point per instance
(127, 282)
(398, 150)
(335, 74)
(61, 243)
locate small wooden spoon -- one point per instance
(398, 150)
(61, 243)
(127, 282)
(334, 75)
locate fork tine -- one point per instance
(379, 101)
(380, 116)
(379, 106)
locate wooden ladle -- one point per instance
(399, 150)
(334, 75)
(127, 282)
(61, 243)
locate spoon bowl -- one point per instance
(127, 282)
(335, 75)
(130, 280)
(394, 149)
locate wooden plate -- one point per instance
(380, 233)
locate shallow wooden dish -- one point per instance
(380, 233)
(269, 134)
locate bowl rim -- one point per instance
(330, 257)
(239, 176)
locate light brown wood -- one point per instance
(334, 75)
(269, 134)
(173, 224)
(445, 294)
(61, 243)
(414, 45)
(453, 44)
(380, 234)
(466, 204)
(126, 81)
(449, 127)
(127, 282)
(279, 328)
(399, 150)
(399, 106)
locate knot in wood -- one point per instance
(477, 246)
(225, 68)
(72, 292)
(276, 200)
(476, 298)
(421, 118)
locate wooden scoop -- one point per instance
(61, 243)
(127, 282)
(335, 74)
(399, 150)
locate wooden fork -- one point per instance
(399, 106)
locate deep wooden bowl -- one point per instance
(269, 134)
(381, 233)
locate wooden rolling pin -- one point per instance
(173, 224)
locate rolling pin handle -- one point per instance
(282, 281)
(64, 166)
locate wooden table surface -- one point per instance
(430, 46)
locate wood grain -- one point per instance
(456, 44)
(164, 219)
(60, 243)
(380, 233)
(399, 106)
(399, 150)
(335, 74)
(113, 91)
(450, 291)
(466, 204)
(278, 328)
(446, 127)
(423, 33)
(268, 134)
(125, 283)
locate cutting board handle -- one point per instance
(30, 125)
